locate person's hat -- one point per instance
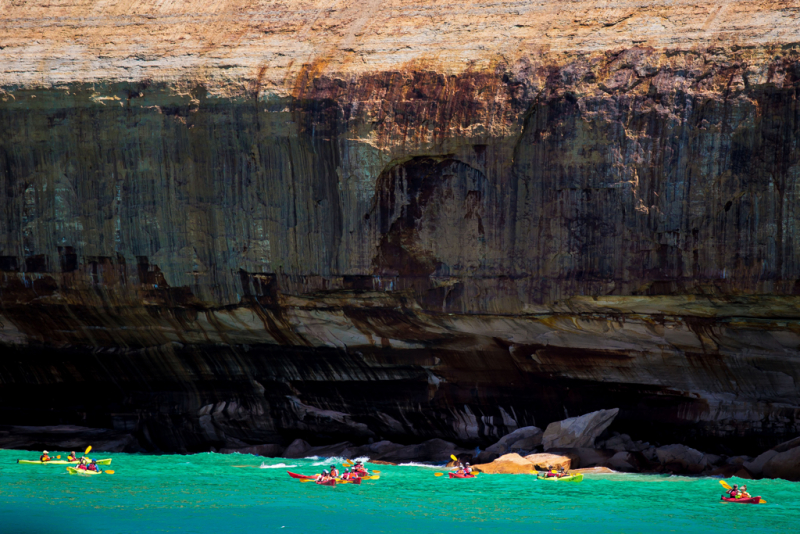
(45, 452)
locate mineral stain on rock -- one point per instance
(268, 222)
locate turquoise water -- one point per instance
(207, 493)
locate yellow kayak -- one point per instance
(74, 471)
(568, 478)
(105, 461)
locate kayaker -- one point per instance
(92, 466)
(467, 469)
(346, 475)
(72, 457)
(334, 472)
(743, 493)
(733, 493)
(324, 477)
(82, 466)
(360, 469)
(45, 457)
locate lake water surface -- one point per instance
(210, 493)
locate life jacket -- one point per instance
(92, 467)
(71, 459)
(82, 467)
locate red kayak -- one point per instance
(305, 477)
(456, 475)
(328, 483)
(355, 480)
(748, 500)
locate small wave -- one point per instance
(275, 466)
(311, 458)
(337, 460)
(415, 464)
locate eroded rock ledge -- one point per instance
(250, 224)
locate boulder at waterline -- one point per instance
(578, 431)
(785, 465)
(526, 438)
(296, 449)
(589, 457)
(625, 461)
(620, 442)
(508, 464)
(682, 459)
(65, 438)
(433, 450)
(544, 460)
(756, 466)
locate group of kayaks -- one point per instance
(77, 466)
(325, 479)
(73, 468)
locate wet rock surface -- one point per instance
(66, 438)
(578, 431)
(408, 230)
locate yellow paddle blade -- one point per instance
(348, 463)
(762, 501)
(438, 474)
(58, 457)
(725, 485)
(109, 472)
(453, 456)
(375, 471)
(89, 448)
(307, 480)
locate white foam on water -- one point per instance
(415, 464)
(333, 460)
(311, 458)
(338, 460)
(275, 466)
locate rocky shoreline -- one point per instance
(584, 443)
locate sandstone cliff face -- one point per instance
(247, 222)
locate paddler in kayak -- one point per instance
(45, 457)
(72, 457)
(334, 472)
(347, 475)
(733, 493)
(743, 493)
(83, 464)
(360, 470)
(324, 477)
(93, 466)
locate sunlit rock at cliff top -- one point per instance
(228, 224)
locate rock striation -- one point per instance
(238, 223)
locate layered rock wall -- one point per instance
(237, 223)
